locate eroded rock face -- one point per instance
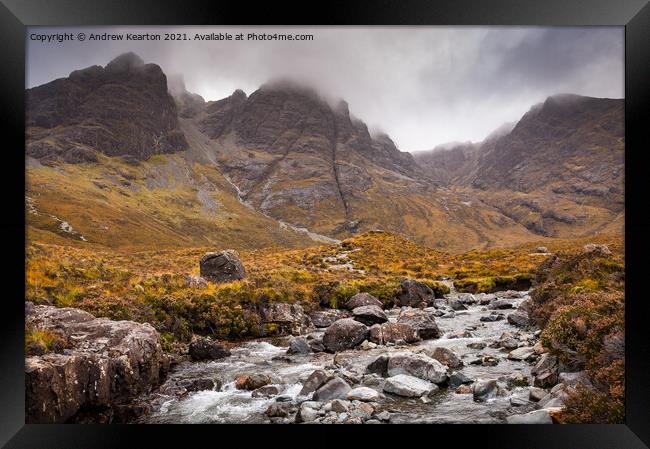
(344, 334)
(107, 364)
(224, 266)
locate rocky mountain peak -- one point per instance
(126, 62)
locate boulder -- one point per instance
(418, 365)
(315, 380)
(422, 321)
(457, 378)
(574, 379)
(201, 348)
(378, 366)
(362, 299)
(492, 317)
(266, 391)
(251, 381)
(99, 351)
(196, 282)
(198, 384)
(298, 345)
(336, 388)
(536, 394)
(315, 342)
(523, 353)
(545, 371)
(408, 386)
(455, 304)
(534, 417)
(445, 356)
(519, 319)
(484, 390)
(325, 318)
(284, 318)
(308, 412)
(224, 266)
(501, 303)
(279, 410)
(363, 394)
(592, 248)
(344, 334)
(382, 334)
(467, 298)
(369, 315)
(414, 293)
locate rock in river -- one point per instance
(362, 299)
(393, 333)
(484, 390)
(363, 394)
(314, 382)
(202, 348)
(415, 293)
(445, 356)
(369, 315)
(519, 319)
(422, 321)
(344, 334)
(325, 318)
(224, 266)
(336, 388)
(106, 364)
(418, 365)
(408, 386)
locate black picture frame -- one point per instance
(634, 15)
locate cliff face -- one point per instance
(120, 109)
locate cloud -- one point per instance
(422, 85)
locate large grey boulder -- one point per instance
(418, 365)
(369, 315)
(315, 380)
(519, 318)
(408, 386)
(393, 333)
(336, 388)
(415, 294)
(445, 356)
(378, 366)
(422, 321)
(106, 364)
(344, 334)
(325, 318)
(224, 266)
(362, 299)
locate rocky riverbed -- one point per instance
(474, 359)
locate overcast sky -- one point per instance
(423, 86)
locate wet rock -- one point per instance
(251, 381)
(336, 388)
(517, 380)
(279, 410)
(198, 384)
(202, 348)
(467, 298)
(308, 412)
(463, 389)
(344, 334)
(385, 333)
(445, 356)
(363, 394)
(457, 378)
(58, 386)
(507, 341)
(418, 365)
(408, 386)
(545, 371)
(519, 319)
(519, 399)
(298, 345)
(485, 298)
(383, 416)
(369, 315)
(422, 321)
(483, 390)
(523, 353)
(379, 366)
(461, 334)
(534, 417)
(455, 304)
(283, 318)
(315, 342)
(536, 394)
(315, 380)
(325, 318)
(362, 299)
(503, 303)
(414, 293)
(477, 345)
(266, 391)
(492, 317)
(485, 360)
(224, 266)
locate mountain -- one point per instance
(122, 156)
(559, 171)
(121, 109)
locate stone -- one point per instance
(196, 282)
(534, 417)
(315, 342)
(536, 394)
(574, 379)
(279, 410)
(461, 334)
(519, 400)
(307, 412)
(455, 304)
(477, 345)
(408, 386)
(519, 318)
(385, 333)
(336, 388)
(418, 365)
(592, 248)
(266, 391)
(517, 380)
(98, 351)
(363, 394)
(485, 298)
(383, 416)
(201, 348)
(422, 321)
(344, 334)
(315, 380)
(325, 318)
(378, 366)
(502, 303)
(298, 345)
(251, 381)
(283, 318)
(467, 298)
(414, 293)
(224, 266)
(362, 299)
(483, 390)
(367, 345)
(492, 317)
(198, 384)
(339, 406)
(545, 371)
(523, 353)
(369, 315)
(463, 389)
(457, 378)
(541, 249)
(445, 356)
